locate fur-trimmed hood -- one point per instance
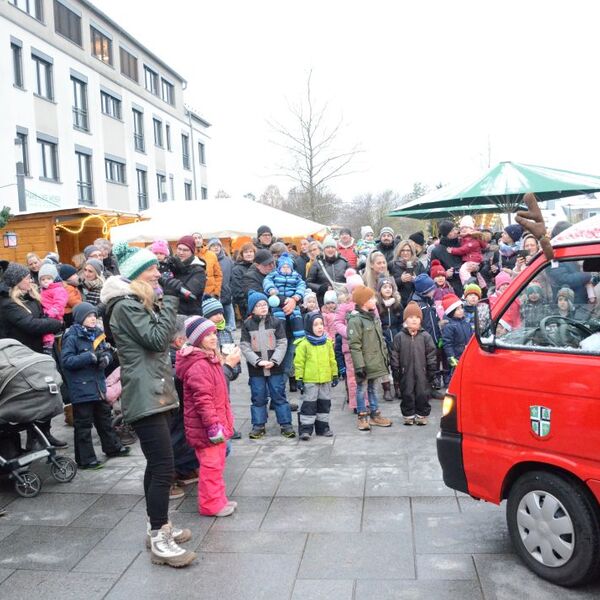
(115, 287)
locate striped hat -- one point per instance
(211, 306)
(133, 261)
(197, 328)
(472, 288)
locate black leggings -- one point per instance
(155, 440)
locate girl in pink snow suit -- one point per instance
(207, 416)
(328, 313)
(54, 299)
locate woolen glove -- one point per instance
(452, 361)
(103, 361)
(215, 434)
(360, 374)
(300, 385)
(335, 381)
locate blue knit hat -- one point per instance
(82, 311)
(514, 231)
(254, 298)
(133, 261)
(211, 306)
(285, 259)
(423, 284)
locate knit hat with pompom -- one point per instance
(353, 279)
(133, 261)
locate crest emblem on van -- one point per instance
(540, 417)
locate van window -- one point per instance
(557, 310)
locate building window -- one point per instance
(17, 54)
(158, 133)
(168, 92)
(31, 7)
(48, 160)
(111, 106)
(151, 79)
(67, 23)
(24, 153)
(202, 153)
(138, 130)
(172, 187)
(85, 192)
(101, 46)
(129, 65)
(187, 190)
(142, 189)
(161, 187)
(204, 193)
(115, 171)
(43, 78)
(80, 106)
(185, 150)
(168, 136)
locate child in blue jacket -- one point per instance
(85, 355)
(457, 331)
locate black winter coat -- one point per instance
(300, 262)
(431, 321)
(391, 321)
(192, 274)
(397, 269)
(238, 295)
(440, 252)
(27, 325)
(456, 335)
(252, 280)
(414, 362)
(317, 279)
(85, 379)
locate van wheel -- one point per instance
(554, 526)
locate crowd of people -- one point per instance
(146, 340)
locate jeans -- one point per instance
(155, 440)
(98, 414)
(229, 315)
(261, 388)
(360, 395)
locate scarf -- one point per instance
(316, 341)
(95, 284)
(389, 302)
(507, 250)
(221, 325)
(348, 245)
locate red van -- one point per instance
(521, 419)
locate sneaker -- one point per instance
(377, 419)
(287, 431)
(93, 466)
(236, 435)
(176, 492)
(165, 551)
(122, 451)
(258, 432)
(186, 478)
(227, 510)
(325, 433)
(179, 534)
(421, 420)
(363, 422)
(305, 436)
(409, 421)
(232, 503)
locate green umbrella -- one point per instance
(502, 189)
(445, 212)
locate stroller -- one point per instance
(29, 394)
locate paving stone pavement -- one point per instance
(354, 517)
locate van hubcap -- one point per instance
(546, 529)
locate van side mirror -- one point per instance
(484, 327)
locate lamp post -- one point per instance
(20, 175)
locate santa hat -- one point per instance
(450, 303)
(436, 269)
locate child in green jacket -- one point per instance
(316, 374)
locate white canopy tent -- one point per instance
(222, 218)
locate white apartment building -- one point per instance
(96, 118)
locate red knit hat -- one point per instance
(436, 269)
(362, 294)
(189, 241)
(450, 302)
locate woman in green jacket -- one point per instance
(142, 329)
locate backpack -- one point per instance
(29, 384)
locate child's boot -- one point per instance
(419, 420)
(387, 391)
(258, 432)
(363, 422)
(287, 431)
(377, 419)
(165, 551)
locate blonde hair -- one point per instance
(145, 292)
(403, 244)
(369, 276)
(78, 261)
(16, 295)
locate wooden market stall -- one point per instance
(67, 231)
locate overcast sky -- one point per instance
(421, 85)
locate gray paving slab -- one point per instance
(4, 573)
(6, 530)
(107, 511)
(393, 481)
(48, 548)
(254, 542)
(434, 505)
(321, 589)
(227, 575)
(259, 482)
(49, 509)
(334, 481)
(298, 455)
(417, 590)
(505, 577)
(248, 517)
(357, 556)
(445, 567)
(313, 514)
(49, 585)
(387, 515)
(88, 482)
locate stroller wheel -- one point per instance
(63, 469)
(29, 486)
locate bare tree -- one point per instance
(314, 159)
(272, 197)
(222, 194)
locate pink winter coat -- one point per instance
(113, 386)
(340, 322)
(329, 323)
(54, 300)
(205, 396)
